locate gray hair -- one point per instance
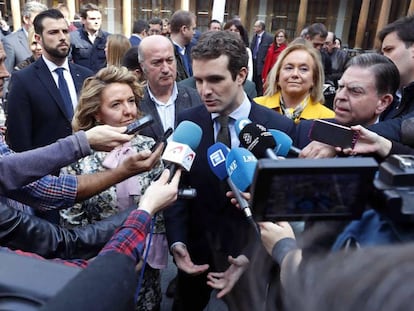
(31, 7)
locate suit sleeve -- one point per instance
(9, 50)
(19, 119)
(20, 169)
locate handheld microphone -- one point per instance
(179, 152)
(257, 139)
(216, 156)
(241, 165)
(284, 143)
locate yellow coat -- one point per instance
(312, 110)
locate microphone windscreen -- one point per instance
(216, 157)
(255, 138)
(240, 124)
(241, 165)
(284, 142)
(188, 133)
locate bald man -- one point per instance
(163, 98)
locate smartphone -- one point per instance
(139, 124)
(162, 139)
(333, 134)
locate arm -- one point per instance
(91, 184)
(19, 230)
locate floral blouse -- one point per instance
(107, 203)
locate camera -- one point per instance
(394, 185)
(312, 189)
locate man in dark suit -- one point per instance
(139, 31)
(259, 45)
(15, 44)
(163, 98)
(38, 113)
(203, 232)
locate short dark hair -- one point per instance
(181, 18)
(404, 29)
(317, 29)
(139, 26)
(213, 44)
(83, 12)
(240, 28)
(386, 74)
(130, 59)
(155, 21)
(213, 21)
(50, 13)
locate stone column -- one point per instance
(362, 23)
(303, 9)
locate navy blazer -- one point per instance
(186, 98)
(36, 113)
(265, 42)
(210, 223)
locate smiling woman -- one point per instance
(294, 84)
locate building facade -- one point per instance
(356, 22)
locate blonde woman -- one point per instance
(294, 85)
(112, 97)
(116, 47)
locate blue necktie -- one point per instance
(64, 92)
(184, 57)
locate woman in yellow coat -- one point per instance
(295, 84)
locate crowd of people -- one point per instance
(78, 187)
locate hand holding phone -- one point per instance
(333, 134)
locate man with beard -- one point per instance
(39, 112)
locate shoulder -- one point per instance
(194, 113)
(86, 72)
(268, 101)
(317, 111)
(270, 118)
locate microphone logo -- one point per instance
(247, 137)
(217, 157)
(232, 167)
(177, 150)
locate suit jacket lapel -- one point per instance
(46, 78)
(77, 79)
(23, 41)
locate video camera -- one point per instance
(395, 188)
(312, 189)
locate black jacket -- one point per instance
(29, 233)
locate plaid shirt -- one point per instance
(49, 192)
(128, 239)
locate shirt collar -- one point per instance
(172, 98)
(52, 66)
(241, 112)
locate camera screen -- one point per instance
(311, 193)
(303, 196)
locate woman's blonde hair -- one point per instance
(316, 93)
(91, 95)
(117, 45)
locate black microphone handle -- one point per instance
(244, 205)
(172, 167)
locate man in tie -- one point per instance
(40, 106)
(259, 45)
(203, 232)
(183, 25)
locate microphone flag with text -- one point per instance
(257, 139)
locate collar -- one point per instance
(52, 66)
(172, 98)
(241, 112)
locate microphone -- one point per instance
(257, 139)
(284, 143)
(179, 152)
(240, 124)
(216, 157)
(241, 165)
